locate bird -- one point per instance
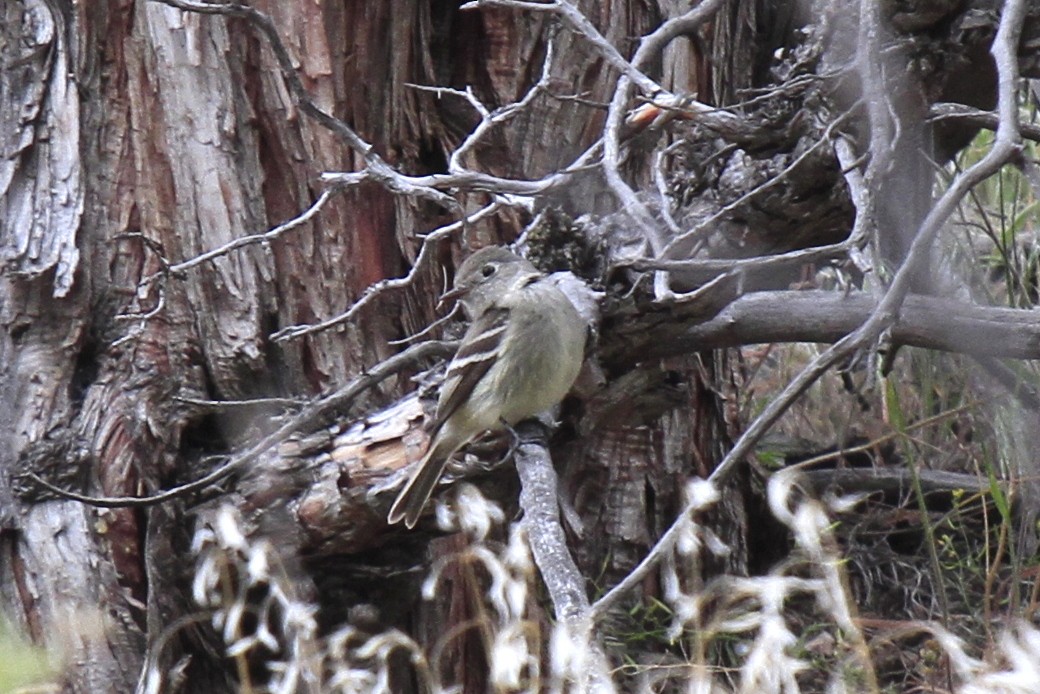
(520, 356)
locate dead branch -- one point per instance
(894, 481)
(307, 419)
(977, 117)
(820, 316)
(540, 502)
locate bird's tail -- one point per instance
(413, 497)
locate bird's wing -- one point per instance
(475, 357)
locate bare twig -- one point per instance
(504, 113)
(429, 328)
(375, 290)
(266, 237)
(974, 116)
(142, 319)
(216, 405)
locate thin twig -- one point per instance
(266, 237)
(973, 116)
(500, 115)
(379, 288)
(216, 405)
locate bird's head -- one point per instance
(486, 274)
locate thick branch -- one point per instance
(823, 316)
(538, 499)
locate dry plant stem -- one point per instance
(970, 481)
(539, 496)
(1004, 147)
(992, 573)
(308, 417)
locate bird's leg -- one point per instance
(514, 441)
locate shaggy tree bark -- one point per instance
(161, 327)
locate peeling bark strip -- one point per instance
(41, 194)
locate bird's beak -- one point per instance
(452, 294)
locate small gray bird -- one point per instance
(519, 357)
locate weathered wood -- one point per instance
(820, 316)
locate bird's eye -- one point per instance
(488, 270)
